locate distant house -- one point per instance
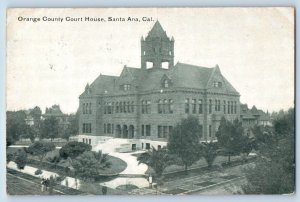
(254, 116)
(56, 112)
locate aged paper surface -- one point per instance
(121, 80)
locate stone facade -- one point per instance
(146, 103)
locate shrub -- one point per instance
(74, 149)
(38, 172)
(21, 159)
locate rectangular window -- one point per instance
(200, 110)
(159, 131)
(171, 106)
(83, 108)
(235, 107)
(90, 108)
(132, 106)
(143, 130)
(117, 107)
(201, 131)
(124, 107)
(219, 105)
(165, 106)
(159, 106)
(128, 107)
(187, 106)
(216, 105)
(194, 106)
(83, 128)
(121, 107)
(104, 128)
(209, 131)
(148, 107)
(210, 107)
(148, 130)
(224, 106)
(165, 132)
(108, 128)
(228, 107)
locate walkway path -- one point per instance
(133, 168)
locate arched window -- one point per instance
(160, 103)
(171, 106)
(165, 108)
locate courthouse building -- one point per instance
(145, 103)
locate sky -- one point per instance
(50, 62)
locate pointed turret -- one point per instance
(157, 48)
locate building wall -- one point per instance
(98, 117)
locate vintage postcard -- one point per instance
(150, 101)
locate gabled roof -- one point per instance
(181, 76)
(157, 31)
(100, 85)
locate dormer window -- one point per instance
(217, 84)
(126, 87)
(166, 83)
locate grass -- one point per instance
(117, 165)
(23, 184)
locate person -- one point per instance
(43, 185)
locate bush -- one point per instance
(9, 157)
(21, 159)
(74, 149)
(38, 172)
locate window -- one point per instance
(117, 107)
(210, 106)
(87, 128)
(165, 131)
(143, 106)
(235, 107)
(171, 106)
(228, 107)
(148, 106)
(143, 130)
(83, 108)
(165, 106)
(132, 106)
(124, 107)
(166, 83)
(83, 140)
(160, 103)
(231, 107)
(126, 87)
(147, 145)
(217, 84)
(216, 105)
(121, 106)
(187, 106)
(194, 106)
(90, 108)
(108, 128)
(159, 131)
(148, 130)
(104, 129)
(90, 141)
(209, 132)
(224, 106)
(128, 107)
(200, 106)
(201, 131)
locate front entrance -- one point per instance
(133, 147)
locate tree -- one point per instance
(274, 169)
(50, 128)
(184, 141)
(21, 159)
(209, 152)
(74, 149)
(158, 160)
(15, 126)
(230, 137)
(40, 149)
(29, 133)
(89, 165)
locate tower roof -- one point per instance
(157, 31)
